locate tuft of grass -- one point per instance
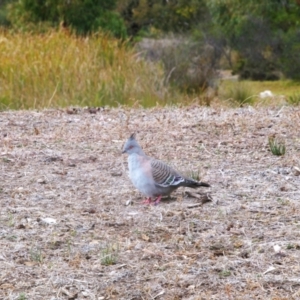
(283, 201)
(22, 296)
(36, 255)
(224, 273)
(109, 254)
(240, 94)
(294, 99)
(276, 147)
(11, 220)
(195, 175)
(59, 69)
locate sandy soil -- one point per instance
(72, 226)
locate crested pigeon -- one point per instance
(152, 177)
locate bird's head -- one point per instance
(132, 146)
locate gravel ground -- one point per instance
(72, 226)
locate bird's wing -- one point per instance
(165, 176)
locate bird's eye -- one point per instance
(130, 147)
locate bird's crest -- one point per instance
(133, 135)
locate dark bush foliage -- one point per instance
(290, 59)
(84, 16)
(191, 66)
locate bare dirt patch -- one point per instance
(67, 231)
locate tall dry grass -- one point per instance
(61, 69)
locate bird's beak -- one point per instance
(123, 151)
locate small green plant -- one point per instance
(109, 255)
(283, 201)
(36, 255)
(11, 238)
(6, 160)
(11, 221)
(294, 99)
(22, 296)
(276, 147)
(195, 175)
(225, 273)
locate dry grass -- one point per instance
(58, 69)
(67, 233)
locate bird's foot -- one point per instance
(157, 200)
(147, 201)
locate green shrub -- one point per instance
(84, 16)
(291, 54)
(190, 66)
(276, 147)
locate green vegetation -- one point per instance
(265, 34)
(282, 89)
(167, 16)
(294, 99)
(276, 147)
(22, 296)
(239, 93)
(224, 273)
(56, 53)
(189, 66)
(61, 69)
(84, 16)
(36, 254)
(109, 255)
(195, 175)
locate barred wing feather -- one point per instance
(164, 175)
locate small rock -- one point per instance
(277, 248)
(266, 94)
(21, 226)
(41, 181)
(72, 111)
(128, 202)
(90, 210)
(283, 189)
(296, 171)
(48, 220)
(116, 174)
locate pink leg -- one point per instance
(147, 201)
(157, 200)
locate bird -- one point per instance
(152, 177)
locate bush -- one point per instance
(290, 59)
(3, 13)
(261, 69)
(257, 45)
(84, 16)
(190, 66)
